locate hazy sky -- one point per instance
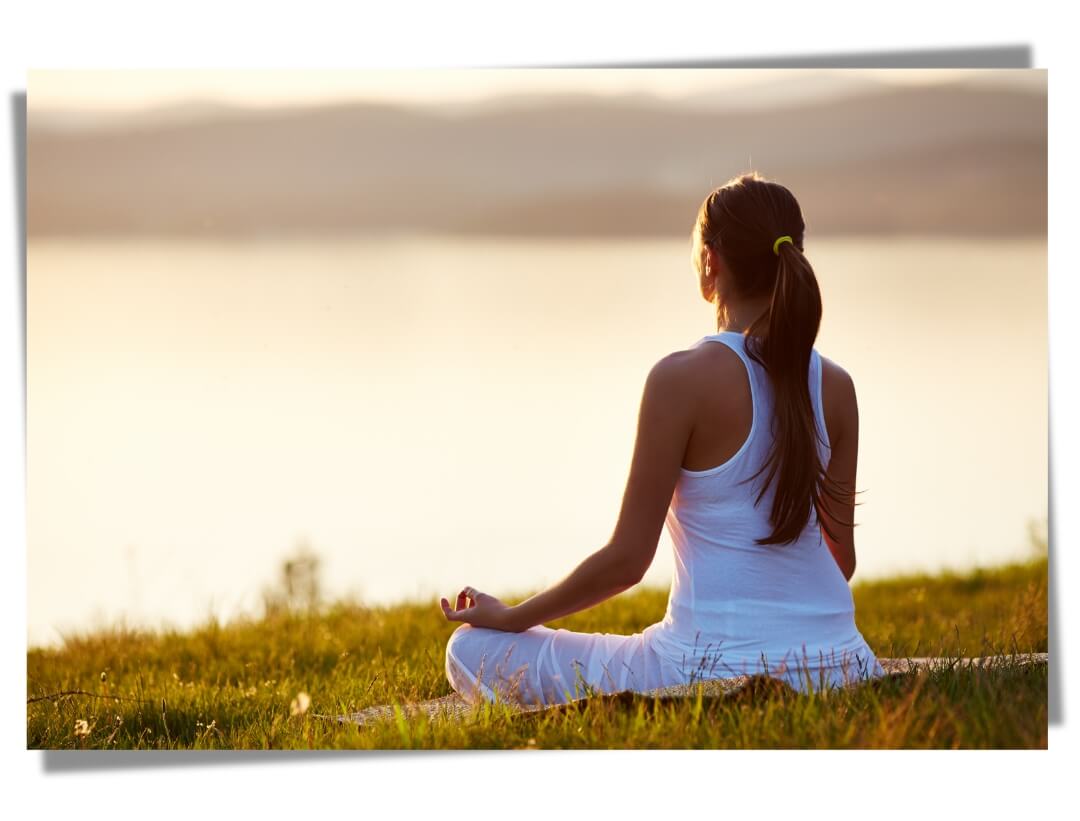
(133, 89)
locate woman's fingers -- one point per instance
(463, 605)
(466, 600)
(467, 597)
(449, 612)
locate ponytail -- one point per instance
(781, 339)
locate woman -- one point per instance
(747, 449)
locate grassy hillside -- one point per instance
(232, 686)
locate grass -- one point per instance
(231, 686)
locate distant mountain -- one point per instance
(959, 158)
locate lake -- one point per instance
(429, 412)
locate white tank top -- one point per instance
(735, 606)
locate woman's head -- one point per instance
(743, 269)
(733, 240)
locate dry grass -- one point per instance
(231, 686)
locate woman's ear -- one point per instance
(711, 268)
(712, 259)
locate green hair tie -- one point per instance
(776, 245)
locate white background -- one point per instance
(478, 784)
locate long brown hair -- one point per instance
(741, 220)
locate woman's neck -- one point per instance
(739, 318)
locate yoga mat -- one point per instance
(454, 706)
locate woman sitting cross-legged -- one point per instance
(747, 450)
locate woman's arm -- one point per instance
(843, 462)
(665, 421)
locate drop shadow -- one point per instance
(70, 761)
(1002, 56)
(1055, 714)
(18, 120)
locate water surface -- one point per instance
(433, 412)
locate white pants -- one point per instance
(546, 666)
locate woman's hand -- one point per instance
(484, 611)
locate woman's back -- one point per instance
(735, 605)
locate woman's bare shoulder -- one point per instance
(838, 398)
(700, 373)
(833, 369)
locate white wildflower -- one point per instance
(300, 704)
